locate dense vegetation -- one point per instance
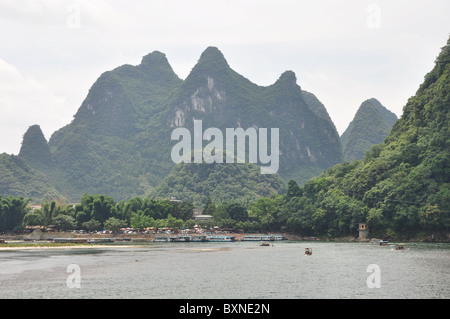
(220, 182)
(17, 178)
(401, 186)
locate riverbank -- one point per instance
(46, 240)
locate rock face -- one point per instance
(119, 142)
(370, 126)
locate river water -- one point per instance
(229, 270)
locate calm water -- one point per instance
(229, 270)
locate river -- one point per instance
(228, 270)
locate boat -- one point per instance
(70, 240)
(264, 244)
(182, 239)
(400, 247)
(199, 238)
(257, 238)
(99, 240)
(308, 251)
(221, 238)
(383, 242)
(279, 237)
(162, 239)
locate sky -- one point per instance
(344, 52)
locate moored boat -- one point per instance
(221, 238)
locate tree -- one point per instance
(12, 212)
(183, 210)
(92, 225)
(293, 190)
(64, 222)
(49, 210)
(209, 208)
(104, 208)
(33, 219)
(237, 212)
(113, 224)
(140, 221)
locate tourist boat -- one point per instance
(199, 238)
(279, 237)
(264, 244)
(308, 251)
(257, 238)
(221, 238)
(400, 247)
(182, 239)
(162, 239)
(70, 240)
(100, 240)
(383, 242)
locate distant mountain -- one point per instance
(119, 142)
(222, 98)
(370, 126)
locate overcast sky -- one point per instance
(344, 52)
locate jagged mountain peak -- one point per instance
(35, 149)
(370, 125)
(211, 61)
(155, 56)
(155, 62)
(287, 77)
(212, 52)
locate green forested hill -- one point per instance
(401, 186)
(370, 126)
(17, 179)
(119, 142)
(220, 182)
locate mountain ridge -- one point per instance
(118, 142)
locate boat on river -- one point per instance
(308, 251)
(162, 239)
(199, 238)
(221, 238)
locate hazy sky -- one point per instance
(344, 52)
